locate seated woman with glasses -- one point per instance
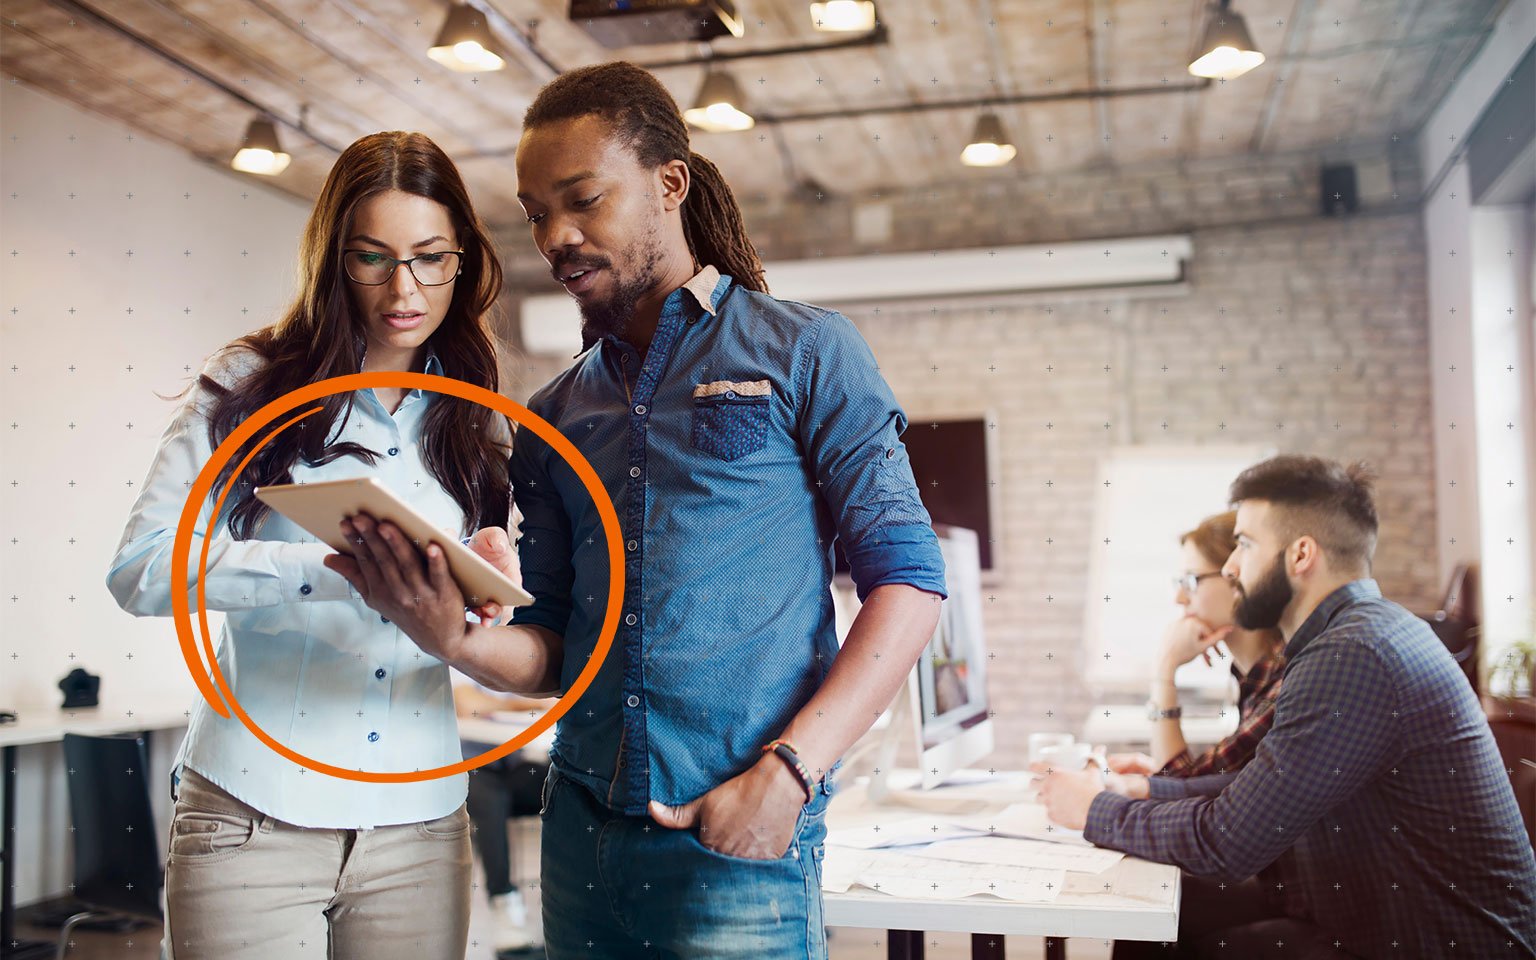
(396, 273)
(1208, 600)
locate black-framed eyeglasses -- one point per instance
(1190, 582)
(371, 268)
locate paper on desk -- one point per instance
(902, 874)
(903, 832)
(1026, 821)
(1037, 854)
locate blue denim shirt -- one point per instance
(751, 434)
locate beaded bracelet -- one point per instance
(791, 756)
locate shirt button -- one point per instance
(640, 409)
(890, 453)
(383, 619)
(379, 673)
(633, 544)
(394, 451)
(634, 471)
(633, 700)
(306, 589)
(630, 619)
(373, 737)
(730, 394)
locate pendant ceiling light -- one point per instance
(989, 146)
(843, 16)
(720, 107)
(1227, 50)
(260, 152)
(465, 43)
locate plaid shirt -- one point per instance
(1256, 693)
(1380, 785)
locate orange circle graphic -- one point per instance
(217, 692)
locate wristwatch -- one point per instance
(1154, 712)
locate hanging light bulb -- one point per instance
(719, 107)
(260, 152)
(843, 16)
(465, 43)
(989, 146)
(1227, 50)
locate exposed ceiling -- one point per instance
(189, 71)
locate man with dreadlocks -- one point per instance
(738, 436)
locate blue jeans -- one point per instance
(624, 887)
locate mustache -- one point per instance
(566, 264)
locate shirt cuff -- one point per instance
(905, 553)
(1103, 813)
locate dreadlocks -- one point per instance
(643, 113)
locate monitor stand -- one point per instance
(890, 787)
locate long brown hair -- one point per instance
(645, 116)
(321, 336)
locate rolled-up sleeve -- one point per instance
(544, 550)
(851, 426)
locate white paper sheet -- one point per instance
(1022, 820)
(1039, 854)
(903, 830)
(901, 874)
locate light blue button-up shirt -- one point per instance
(314, 666)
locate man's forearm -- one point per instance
(885, 640)
(521, 658)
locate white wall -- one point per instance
(1479, 285)
(88, 336)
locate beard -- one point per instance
(611, 317)
(1262, 607)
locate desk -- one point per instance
(1128, 725)
(1087, 906)
(49, 726)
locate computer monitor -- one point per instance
(942, 709)
(953, 722)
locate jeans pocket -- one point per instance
(546, 792)
(452, 827)
(206, 836)
(730, 426)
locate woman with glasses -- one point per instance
(268, 858)
(1208, 600)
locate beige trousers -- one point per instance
(241, 885)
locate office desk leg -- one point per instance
(1055, 948)
(904, 945)
(10, 947)
(986, 946)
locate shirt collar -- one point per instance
(706, 288)
(1348, 595)
(432, 365)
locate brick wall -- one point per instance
(1295, 332)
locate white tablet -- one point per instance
(320, 508)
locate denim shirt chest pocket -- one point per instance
(730, 417)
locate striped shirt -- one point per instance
(1256, 693)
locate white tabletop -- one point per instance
(1133, 900)
(49, 724)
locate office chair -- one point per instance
(117, 857)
